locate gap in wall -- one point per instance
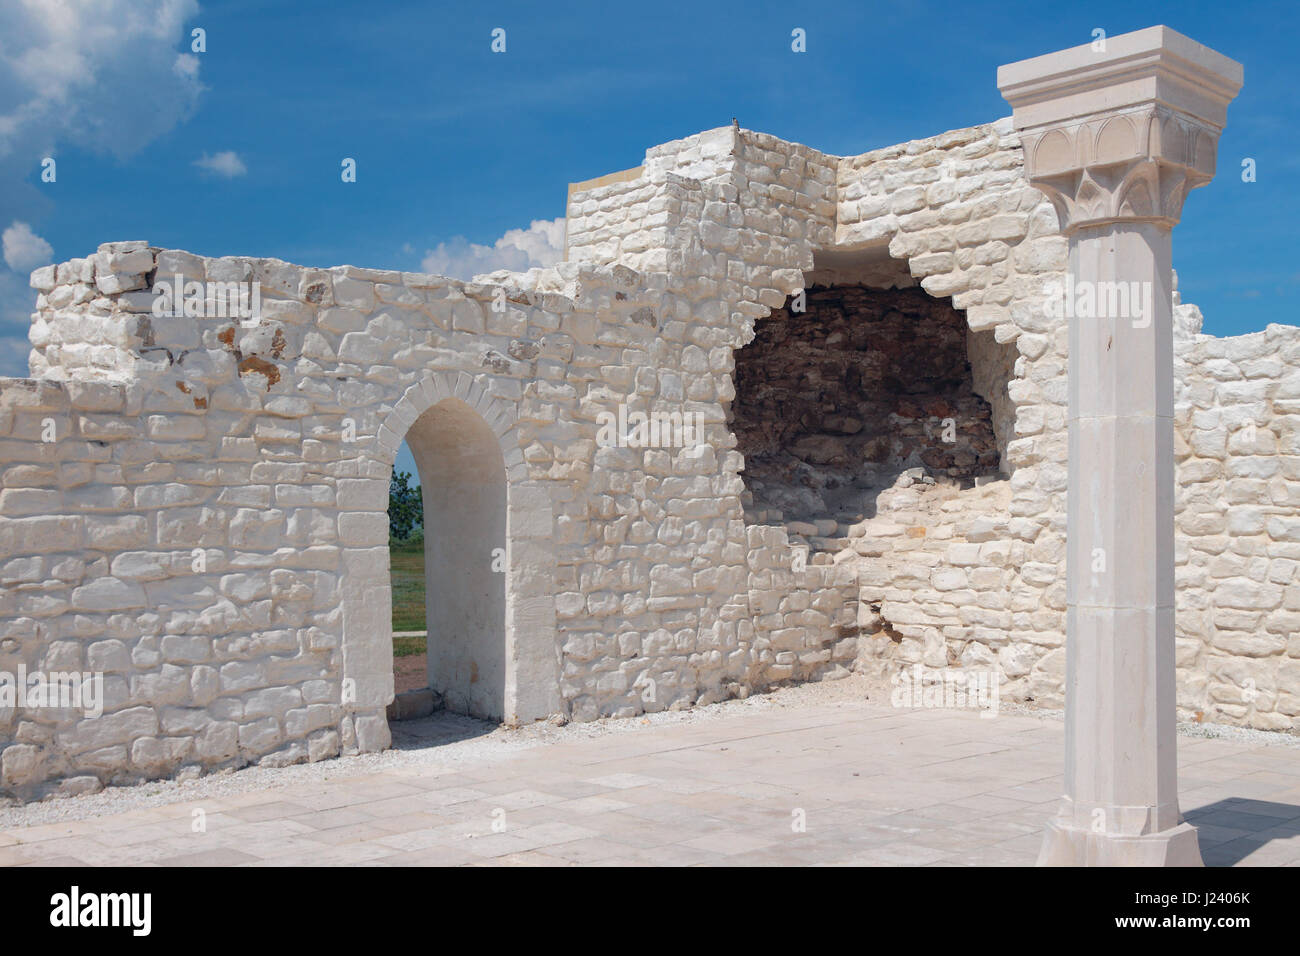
(874, 383)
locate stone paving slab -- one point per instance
(846, 783)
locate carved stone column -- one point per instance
(1116, 138)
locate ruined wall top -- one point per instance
(791, 214)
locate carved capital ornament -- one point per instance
(1122, 133)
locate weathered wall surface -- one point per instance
(975, 577)
(1237, 447)
(207, 524)
(195, 507)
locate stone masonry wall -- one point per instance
(1237, 448)
(972, 576)
(207, 527)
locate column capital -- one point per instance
(1123, 129)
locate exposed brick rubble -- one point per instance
(835, 402)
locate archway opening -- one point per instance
(462, 478)
(407, 579)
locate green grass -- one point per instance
(406, 559)
(409, 646)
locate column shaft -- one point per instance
(1121, 773)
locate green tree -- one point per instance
(405, 506)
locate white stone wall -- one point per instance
(1237, 448)
(201, 530)
(974, 578)
(206, 526)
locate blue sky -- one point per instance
(456, 145)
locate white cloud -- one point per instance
(226, 163)
(14, 353)
(102, 74)
(186, 66)
(541, 244)
(23, 249)
(17, 303)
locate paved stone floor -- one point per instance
(870, 785)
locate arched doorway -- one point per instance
(463, 476)
(493, 648)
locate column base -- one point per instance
(1070, 846)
